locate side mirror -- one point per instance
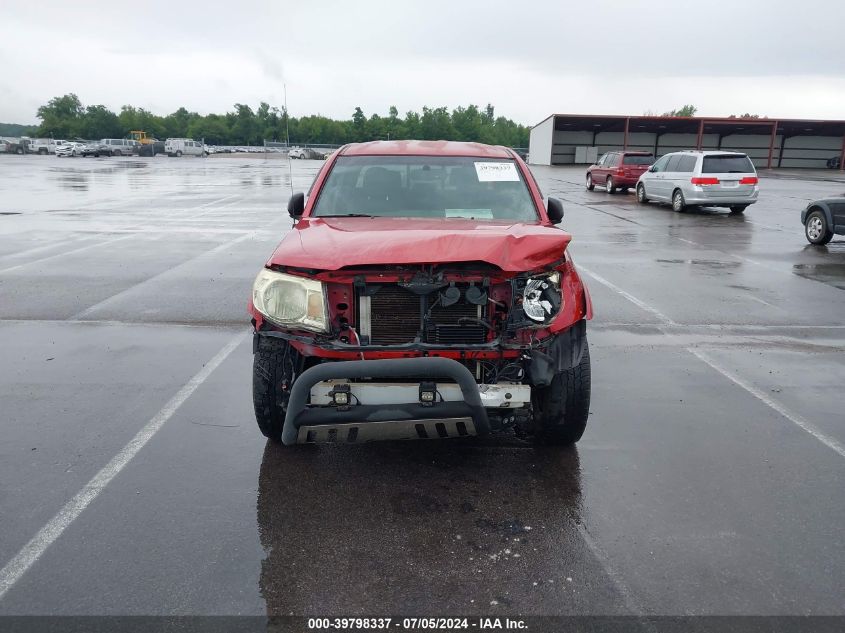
(652, 168)
(296, 205)
(555, 210)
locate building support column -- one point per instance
(783, 140)
(700, 138)
(772, 144)
(842, 155)
(625, 140)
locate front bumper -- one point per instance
(393, 421)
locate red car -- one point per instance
(618, 170)
(423, 292)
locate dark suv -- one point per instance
(822, 219)
(618, 170)
(424, 292)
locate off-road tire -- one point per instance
(268, 374)
(562, 408)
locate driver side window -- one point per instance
(660, 165)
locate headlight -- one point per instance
(541, 297)
(292, 301)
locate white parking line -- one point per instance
(116, 297)
(47, 535)
(640, 304)
(45, 247)
(66, 253)
(793, 417)
(796, 419)
(117, 239)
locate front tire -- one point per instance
(590, 185)
(273, 364)
(816, 229)
(641, 197)
(611, 188)
(563, 407)
(740, 208)
(678, 202)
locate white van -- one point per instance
(186, 146)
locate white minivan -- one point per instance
(701, 178)
(186, 146)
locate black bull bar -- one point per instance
(298, 414)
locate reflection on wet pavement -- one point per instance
(833, 273)
(458, 525)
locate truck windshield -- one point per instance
(426, 187)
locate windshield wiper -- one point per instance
(344, 215)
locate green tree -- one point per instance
(100, 122)
(359, 125)
(683, 111)
(467, 123)
(245, 125)
(413, 125)
(176, 124)
(436, 124)
(61, 117)
(213, 128)
(65, 117)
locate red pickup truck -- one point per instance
(424, 291)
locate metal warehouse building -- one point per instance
(571, 139)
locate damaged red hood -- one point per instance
(332, 243)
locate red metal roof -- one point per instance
(425, 148)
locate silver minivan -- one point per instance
(701, 178)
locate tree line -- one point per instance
(66, 117)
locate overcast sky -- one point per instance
(529, 59)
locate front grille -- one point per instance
(396, 318)
(456, 334)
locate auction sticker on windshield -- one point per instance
(496, 172)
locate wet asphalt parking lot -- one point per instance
(133, 479)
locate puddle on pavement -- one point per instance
(831, 274)
(715, 264)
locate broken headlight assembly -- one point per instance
(540, 297)
(291, 301)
